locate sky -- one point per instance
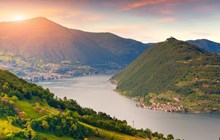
(142, 20)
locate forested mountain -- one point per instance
(206, 44)
(174, 70)
(28, 111)
(41, 40)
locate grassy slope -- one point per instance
(6, 127)
(31, 112)
(112, 135)
(53, 137)
(28, 109)
(34, 110)
(107, 135)
(31, 109)
(171, 66)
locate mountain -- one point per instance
(206, 44)
(174, 70)
(28, 111)
(42, 40)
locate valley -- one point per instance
(109, 70)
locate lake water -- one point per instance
(98, 93)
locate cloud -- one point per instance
(166, 19)
(165, 12)
(205, 8)
(142, 3)
(168, 5)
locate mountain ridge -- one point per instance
(43, 39)
(206, 44)
(172, 69)
(38, 49)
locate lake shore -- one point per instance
(169, 104)
(168, 107)
(98, 93)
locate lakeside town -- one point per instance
(170, 106)
(50, 71)
(167, 107)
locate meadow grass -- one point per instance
(6, 127)
(110, 135)
(28, 108)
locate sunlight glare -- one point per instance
(18, 18)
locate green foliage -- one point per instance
(22, 101)
(61, 125)
(170, 137)
(110, 135)
(171, 66)
(6, 108)
(109, 124)
(104, 121)
(19, 122)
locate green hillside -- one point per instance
(29, 112)
(174, 70)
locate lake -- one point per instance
(98, 93)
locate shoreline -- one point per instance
(173, 109)
(52, 79)
(168, 107)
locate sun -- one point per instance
(18, 18)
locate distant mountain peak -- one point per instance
(39, 19)
(45, 40)
(35, 19)
(206, 44)
(171, 39)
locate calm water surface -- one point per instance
(98, 93)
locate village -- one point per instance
(167, 107)
(50, 71)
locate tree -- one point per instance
(59, 131)
(170, 137)
(45, 124)
(65, 99)
(160, 135)
(14, 98)
(5, 87)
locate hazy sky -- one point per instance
(143, 20)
